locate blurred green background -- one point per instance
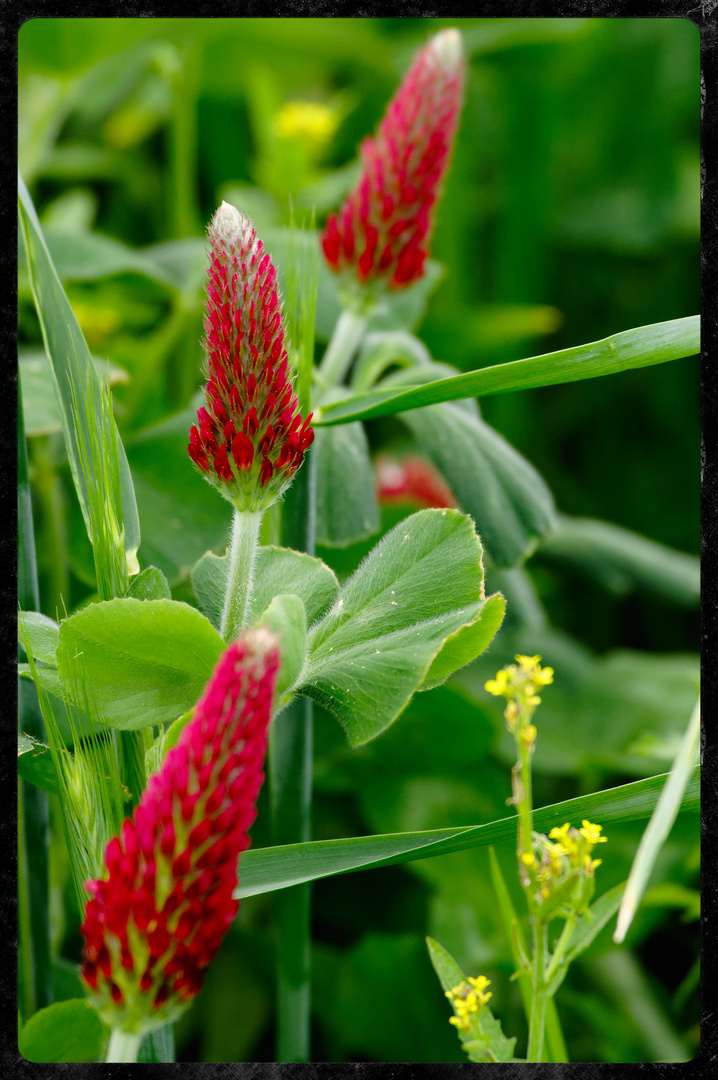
(571, 211)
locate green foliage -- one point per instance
(570, 211)
(646, 345)
(73, 368)
(486, 1041)
(167, 648)
(393, 619)
(276, 570)
(35, 763)
(66, 1031)
(267, 869)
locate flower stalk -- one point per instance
(240, 575)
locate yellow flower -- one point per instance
(468, 999)
(592, 833)
(499, 685)
(309, 120)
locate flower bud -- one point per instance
(249, 439)
(381, 234)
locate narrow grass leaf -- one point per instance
(72, 366)
(646, 345)
(267, 869)
(661, 823)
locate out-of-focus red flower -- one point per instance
(249, 439)
(413, 479)
(382, 231)
(155, 922)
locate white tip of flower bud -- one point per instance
(447, 48)
(229, 224)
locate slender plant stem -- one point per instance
(561, 946)
(240, 576)
(340, 351)
(33, 805)
(290, 758)
(538, 999)
(123, 1047)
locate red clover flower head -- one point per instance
(381, 233)
(156, 921)
(249, 439)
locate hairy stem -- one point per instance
(123, 1047)
(240, 576)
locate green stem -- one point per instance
(240, 576)
(33, 805)
(561, 946)
(290, 758)
(340, 350)
(538, 999)
(123, 1047)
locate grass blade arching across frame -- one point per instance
(267, 869)
(640, 347)
(72, 366)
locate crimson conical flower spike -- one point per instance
(381, 234)
(250, 438)
(155, 922)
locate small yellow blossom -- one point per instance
(592, 833)
(589, 865)
(310, 120)
(528, 735)
(499, 685)
(527, 858)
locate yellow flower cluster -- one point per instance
(578, 844)
(519, 685)
(468, 999)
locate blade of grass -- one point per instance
(641, 347)
(660, 825)
(267, 869)
(72, 365)
(33, 805)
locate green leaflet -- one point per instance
(508, 500)
(417, 588)
(286, 616)
(621, 560)
(646, 345)
(66, 1031)
(151, 584)
(277, 570)
(43, 635)
(141, 662)
(347, 509)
